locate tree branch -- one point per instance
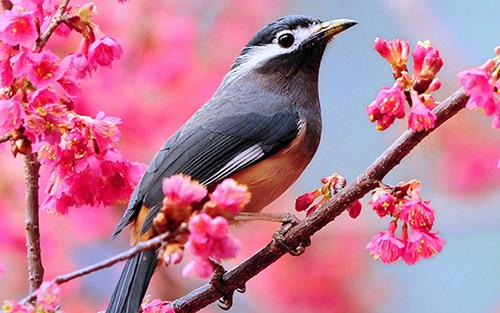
(302, 232)
(152, 243)
(5, 137)
(56, 20)
(31, 224)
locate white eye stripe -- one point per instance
(258, 55)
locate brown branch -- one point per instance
(56, 20)
(302, 232)
(6, 5)
(152, 243)
(5, 137)
(35, 267)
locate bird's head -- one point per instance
(287, 46)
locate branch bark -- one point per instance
(5, 137)
(140, 247)
(56, 20)
(32, 227)
(302, 232)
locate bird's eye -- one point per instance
(286, 40)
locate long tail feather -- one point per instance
(133, 283)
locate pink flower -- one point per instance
(48, 295)
(157, 306)
(18, 28)
(229, 197)
(426, 65)
(421, 118)
(44, 68)
(422, 244)
(6, 72)
(383, 202)
(389, 104)
(105, 129)
(386, 246)
(418, 213)
(306, 200)
(103, 51)
(395, 52)
(76, 65)
(181, 191)
(209, 237)
(199, 267)
(10, 114)
(15, 307)
(478, 84)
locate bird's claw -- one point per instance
(279, 237)
(217, 280)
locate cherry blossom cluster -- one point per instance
(482, 84)
(37, 105)
(330, 186)
(206, 217)
(48, 299)
(403, 204)
(414, 90)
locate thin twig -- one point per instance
(5, 137)
(56, 20)
(302, 232)
(153, 243)
(35, 267)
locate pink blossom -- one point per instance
(48, 295)
(76, 65)
(389, 104)
(478, 84)
(44, 68)
(209, 237)
(426, 60)
(10, 114)
(395, 52)
(157, 306)
(104, 128)
(6, 72)
(386, 246)
(15, 307)
(103, 51)
(182, 191)
(200, 267)
(422, 244)
(418, 213)
(229, 197)
(18, 27)
(383, 202)
(421, 118)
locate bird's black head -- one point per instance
(287, 46)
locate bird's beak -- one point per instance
(331, 28)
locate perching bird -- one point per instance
(262, 127)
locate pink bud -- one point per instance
(229, 197)
(395, 52)
(304, 201)
(355, 209)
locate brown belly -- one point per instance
(270, 178)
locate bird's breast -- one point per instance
(270, 178)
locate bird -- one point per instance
(261, 127)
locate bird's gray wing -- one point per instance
(210, 151)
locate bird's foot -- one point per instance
(283, 218)
(279, 237)
(217, 281)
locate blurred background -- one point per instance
(175, 55)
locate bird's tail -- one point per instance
(134, 281)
